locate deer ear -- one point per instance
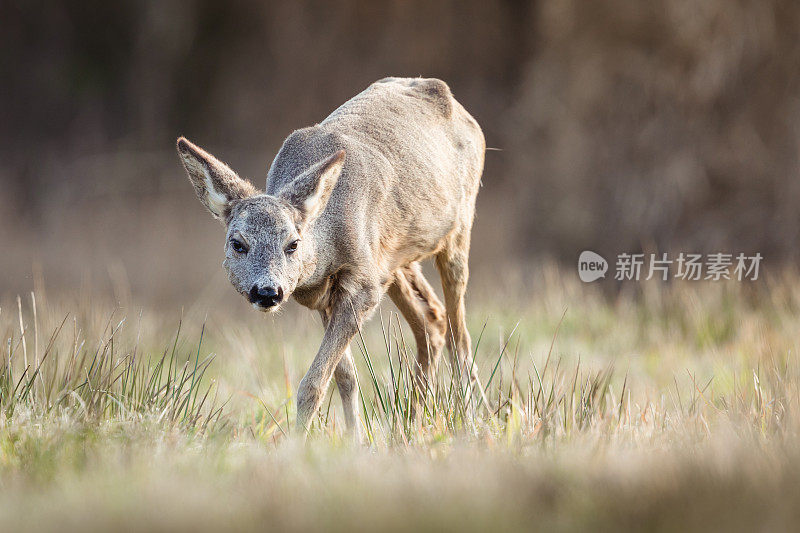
(216, 185)
(309, 192)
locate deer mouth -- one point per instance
(266, 309)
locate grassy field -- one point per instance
(662, 407)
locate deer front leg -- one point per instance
(346, 317)
(347, 382)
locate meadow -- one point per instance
(653, 406)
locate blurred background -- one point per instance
(622, 125)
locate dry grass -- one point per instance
(668, 407)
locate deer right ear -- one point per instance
(216, 185)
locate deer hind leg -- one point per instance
(414, 297)
(454, 271)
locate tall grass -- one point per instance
(102, 380)
(519, 399)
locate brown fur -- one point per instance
(388, 179)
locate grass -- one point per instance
(662, 407)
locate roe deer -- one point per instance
(351, 206)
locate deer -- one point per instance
(351, 207)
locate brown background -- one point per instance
(623, 125)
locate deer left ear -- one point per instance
(309, 192)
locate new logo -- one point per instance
(591, 266)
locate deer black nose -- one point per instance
(265, 296)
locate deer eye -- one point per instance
(292, 248)
(238, 246)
